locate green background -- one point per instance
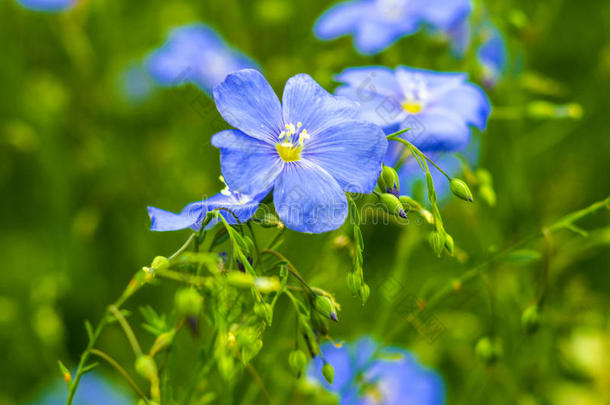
(80, 161)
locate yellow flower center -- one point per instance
(288, 152)
(412, 107)
(292, 140)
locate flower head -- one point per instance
(195, 53)
(492, 54)
(47, 5)
(309, 149)
(365, 375)
(438, 107)
(232, 206)
(377, 24)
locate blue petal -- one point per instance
(374, 36)
(436, 82)
(163, 220)
(405, 381)
(339, 20)
(176, 62)
(47, 5)
(351, 152)
(444, 14)
(242, 208)
(307, 102)
(443, 130)
(370, 80)
(492, 55)
(246, 101)
(248, 165)
(468, 101)
(308, 199)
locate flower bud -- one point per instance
(437, 241)
(354, 281)
(388, 182)
(188, 302)
(267, 284)
(488, 195)
(328, 372)
(530, 319)
(365, 292)
(271, 220)
(160, 263)
(162, 341)
(325, 306)
(146, 366)
(264, 311)
(488, 351)
(297, 361)
(449, 245)
(319, 323)
(409, 204)
(392, 205)
(460, 189)
(240, 280)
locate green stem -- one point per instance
(291, 268)
(121, 370)
(393, 137)
(133, 341)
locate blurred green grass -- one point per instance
(79, 163)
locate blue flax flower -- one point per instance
(195, 54)
(388, 376)
(92, 390)
(492, 54)
(50, 6)
(241, 207)
(309, 149)
(377, 24)
(439, 108)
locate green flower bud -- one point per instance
(188, 302)
(240, 280)
(146, 366)
(488, 195)
(365, 292)
(354, 281)
(325, 306)
(530, 319)
(162, 341)
(409, 204)
(460, 189)
(328, 372)
(319, 323)
(270, 220)
(267, 284)
(392, 205)
(297, 361)
(449, 245)
(488, 351)
(160, 263)
(389, 180)
(264, 311)
(437, 241)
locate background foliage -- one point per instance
(80, 160)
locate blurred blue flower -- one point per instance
(377, 24)
(47, 5)
(195, 54)
(492, 54)
(92, 390)
(242, 206)
(438, 107)
(310, 148)
(136, 83)
(367, 376)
